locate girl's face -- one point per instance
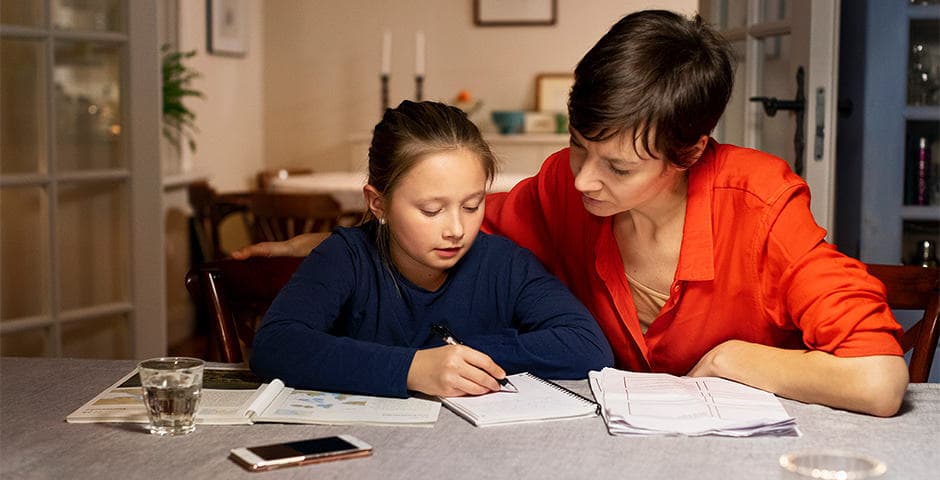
(613, 178)
(434, 215)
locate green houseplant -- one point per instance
(178, 120)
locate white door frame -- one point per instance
(813, 27)
(148, 265)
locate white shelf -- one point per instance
(492, 138)
(518, 154)
(527, 139)
(922, 112)
(923, 12)
(921, 212)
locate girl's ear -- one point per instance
(374, 201)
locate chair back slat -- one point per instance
(281, 216)
(910, 287)
(235, 294)
(209, 210)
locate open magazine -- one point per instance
(235, 396)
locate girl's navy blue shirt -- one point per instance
(348, 322)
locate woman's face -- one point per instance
(614, 177)
(434, 215)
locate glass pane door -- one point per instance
(73, 209)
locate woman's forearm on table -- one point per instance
(873, 384)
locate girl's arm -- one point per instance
(296, 342)
(553, 334)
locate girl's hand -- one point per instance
(453, 371)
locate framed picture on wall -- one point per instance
(551, 91)
(227, 27)
(499, 13)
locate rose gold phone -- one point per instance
(303, 452)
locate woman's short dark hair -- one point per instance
(666, 77)
(411, 131)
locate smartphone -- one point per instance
(303, 452)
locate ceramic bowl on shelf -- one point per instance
(509, 121)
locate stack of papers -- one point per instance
(662, 404)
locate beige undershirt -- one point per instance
(648, 302)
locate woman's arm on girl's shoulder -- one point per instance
(299, 246)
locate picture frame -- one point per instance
(227, 27)
(552, 90)
(514, 13)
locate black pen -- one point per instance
(450, 339)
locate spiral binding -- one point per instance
(566, 391)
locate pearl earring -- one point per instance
(381, 221)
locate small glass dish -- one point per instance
(831, 465)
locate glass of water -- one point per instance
(172, 387)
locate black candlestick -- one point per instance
(419, 88)
(384, 78)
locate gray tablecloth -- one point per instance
(35, 441)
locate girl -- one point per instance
(357, 315)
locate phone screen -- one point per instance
(303, 448)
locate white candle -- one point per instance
(419, 54)
(387, 53)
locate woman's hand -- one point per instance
(299, 246)
(453, 371)
(874, 384)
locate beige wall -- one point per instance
(322, 63)
(231, 117)
(310, 78)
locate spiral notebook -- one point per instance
(538, 400)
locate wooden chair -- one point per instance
(209, 210)
(281, 216)
(235, 294)
(915, 288)
(265, 177)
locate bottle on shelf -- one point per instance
(934, 185)
(926, 253)
(922, 192)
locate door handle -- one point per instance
(798, 106)
(772, 104)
